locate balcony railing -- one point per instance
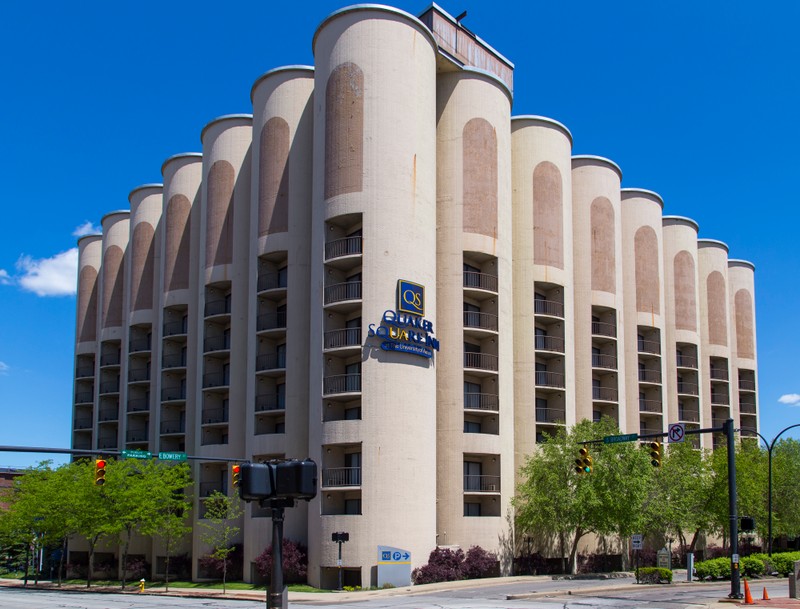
(138, 405)
(688, 388)
(481, 321)
(650, 406)
(481, 484)
(747, 385)
(169, 394)
(645, 431)
(719, 374)
(605, 394)
(649, 376)
(270, 361)
(208, 488)
(686, 361)
(175, 328)
(109, 387)
(747, 407)
(173, 426)
(649, 346)
(82, 372)
(340, 292)
(347, 246)
(217, 343)
(173, 360)
(109, 359)
(341, 383)
(218, 307)
(271, 281)
(481, 361)
(345, 337)
(107, 442)
(548, 307)
(269, 402)
(136, 435)
(138, 374)
(82, 423)
(549, 379)
(601, 328)
(602, 360)
(551, 415)
(688, 415)
(554, 344)
(271, 321)
(480, 281)
(481, 401)
(722, 399)
(215, 379)
(84, 397)
(214, 416)
(138, 345)
(341, 476)
(108, 414)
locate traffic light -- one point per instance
(99, 472)
(748, 523)
(236, 472)
(656, 453)
(583, 463)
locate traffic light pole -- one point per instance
(278, 597)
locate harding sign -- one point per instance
(405, 329)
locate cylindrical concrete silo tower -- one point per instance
(643, 280)
(682, 345)
(113, 342)
(222, 301)
(715, 365)
(143, 301)
(475, 458)
(177, 379)
(279, 292)
(541, 151)
(90, 249)
(372, 402)
(599, 317)
(744, 362)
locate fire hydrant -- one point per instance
(141, 585)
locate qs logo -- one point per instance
(410, 297)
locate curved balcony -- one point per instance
(136, 435)
(601, 328)
(551, 308)
(688, 388)
(686, 361)
(605, 394)
(216, 343)
(108, 415)
(482, 322)
(481, 484)
(173, 360)
(84, 397)
(271, 322)
(340, 476)
(175, 329)
(747, 385)
(215, 416)
(485, 402)
(216, 308)
(109, 387)
(343, 338)
(271, 362)
(688, 415)
(551, 416)
(650, 406)
(173, 394)
(271, 282)
(720, 399)
(139, 375)
(648, 347)
(481, 361)
(553, 380)
(270, 403)
(718, 374)
(652, 377)
(339, 384)
(82, 423)
(346, 247)
(549, 344)
(139, 345)
(138, 405)
(481, 282)
(109, 360)
(340, 294)
(747, 407)
(606, 362)
(215, 380)
(82, 372)
(173, 427)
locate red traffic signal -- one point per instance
(99, 472)
(236, 471)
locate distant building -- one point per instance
(383, 270)
(7, 476)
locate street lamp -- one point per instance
(770, 446)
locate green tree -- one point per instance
(785, 487)
(221, 515)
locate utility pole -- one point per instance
(728, 430)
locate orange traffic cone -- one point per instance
(765, 597)
(748, 598)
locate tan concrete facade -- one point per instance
(383, 270)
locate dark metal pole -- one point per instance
(736, 589)
(769, 500)
(276, 591)
(340, 564)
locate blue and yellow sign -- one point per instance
(410, 297)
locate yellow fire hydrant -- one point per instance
(141, 585)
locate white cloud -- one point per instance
(4, 368)
(54, 276)
(87, 228)
(792, 399)
(5, 278)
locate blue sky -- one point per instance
(697, 101)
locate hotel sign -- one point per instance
(405, 329)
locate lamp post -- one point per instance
(770, 446)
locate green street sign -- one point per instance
(628, 437)
(172, 456)
(137, 454)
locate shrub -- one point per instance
(295, 562)
(752, 566)
(445, 565)
(654, 575)
(211, 567)
(478, 563)
(783, 562)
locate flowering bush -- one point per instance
(446, 565)
(295, 562)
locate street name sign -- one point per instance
(628, 437)
(136, 454)
(171, 456)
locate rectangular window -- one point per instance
(472, 509)
(472, 427)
